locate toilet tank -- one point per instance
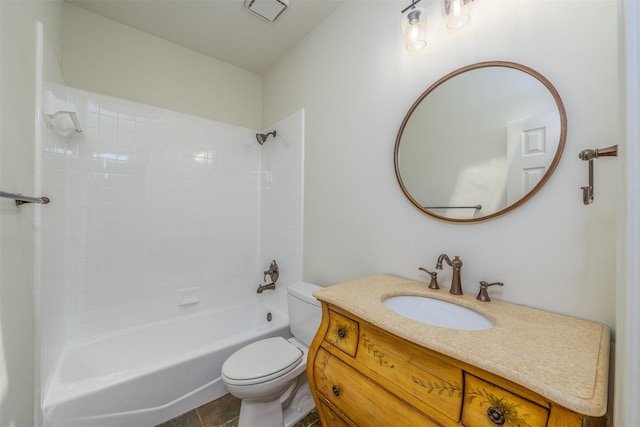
(305, 312)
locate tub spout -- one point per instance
(270, 286)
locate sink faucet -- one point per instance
(273, 272)
(456, 264)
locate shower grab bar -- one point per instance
(476, 207)
(20, 199)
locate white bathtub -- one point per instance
(143, 376)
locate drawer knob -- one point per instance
(336, 390)
(495, 415)
(342, 333)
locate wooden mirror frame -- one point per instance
(554, 163)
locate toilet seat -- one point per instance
(261, 361)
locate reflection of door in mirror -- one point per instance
(531, 144)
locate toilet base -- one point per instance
(266, 414)
(278, 413)
(300, 406)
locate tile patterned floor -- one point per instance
(224, 412)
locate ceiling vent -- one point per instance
(268, 10)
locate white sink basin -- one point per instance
(438, 313)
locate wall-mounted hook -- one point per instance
(589, 155)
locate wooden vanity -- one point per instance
(369, 366)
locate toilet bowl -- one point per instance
(269, 376)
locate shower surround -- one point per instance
(148, 204)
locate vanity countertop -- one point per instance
(559, 357)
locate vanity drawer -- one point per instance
(410, 372)
(484, 401)
(364, 402)
(330, 418)
(342, 333)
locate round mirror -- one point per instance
(480, 141)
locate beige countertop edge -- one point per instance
(580, 384)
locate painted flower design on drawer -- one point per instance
(499, 410)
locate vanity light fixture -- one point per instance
(414, 23)
(456, 12)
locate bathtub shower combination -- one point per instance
(157, 205)
(143, 376)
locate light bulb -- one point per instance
(413, 27)
(456, 13)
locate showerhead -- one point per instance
(262, 137)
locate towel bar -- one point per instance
(20, 199)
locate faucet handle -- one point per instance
(272, 272)
(434, 278)
(483, 295)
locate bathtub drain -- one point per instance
(269, 317)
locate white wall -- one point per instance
(104, 56)
(356, 81)
(50, 267)
(19, 384)
(627, 375)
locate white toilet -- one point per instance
(269, 375)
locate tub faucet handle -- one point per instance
(273, 272)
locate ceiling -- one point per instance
(222, 29)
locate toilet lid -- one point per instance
(261, 361)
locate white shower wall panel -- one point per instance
(282, 200)
(52, 267)
(156, 201)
